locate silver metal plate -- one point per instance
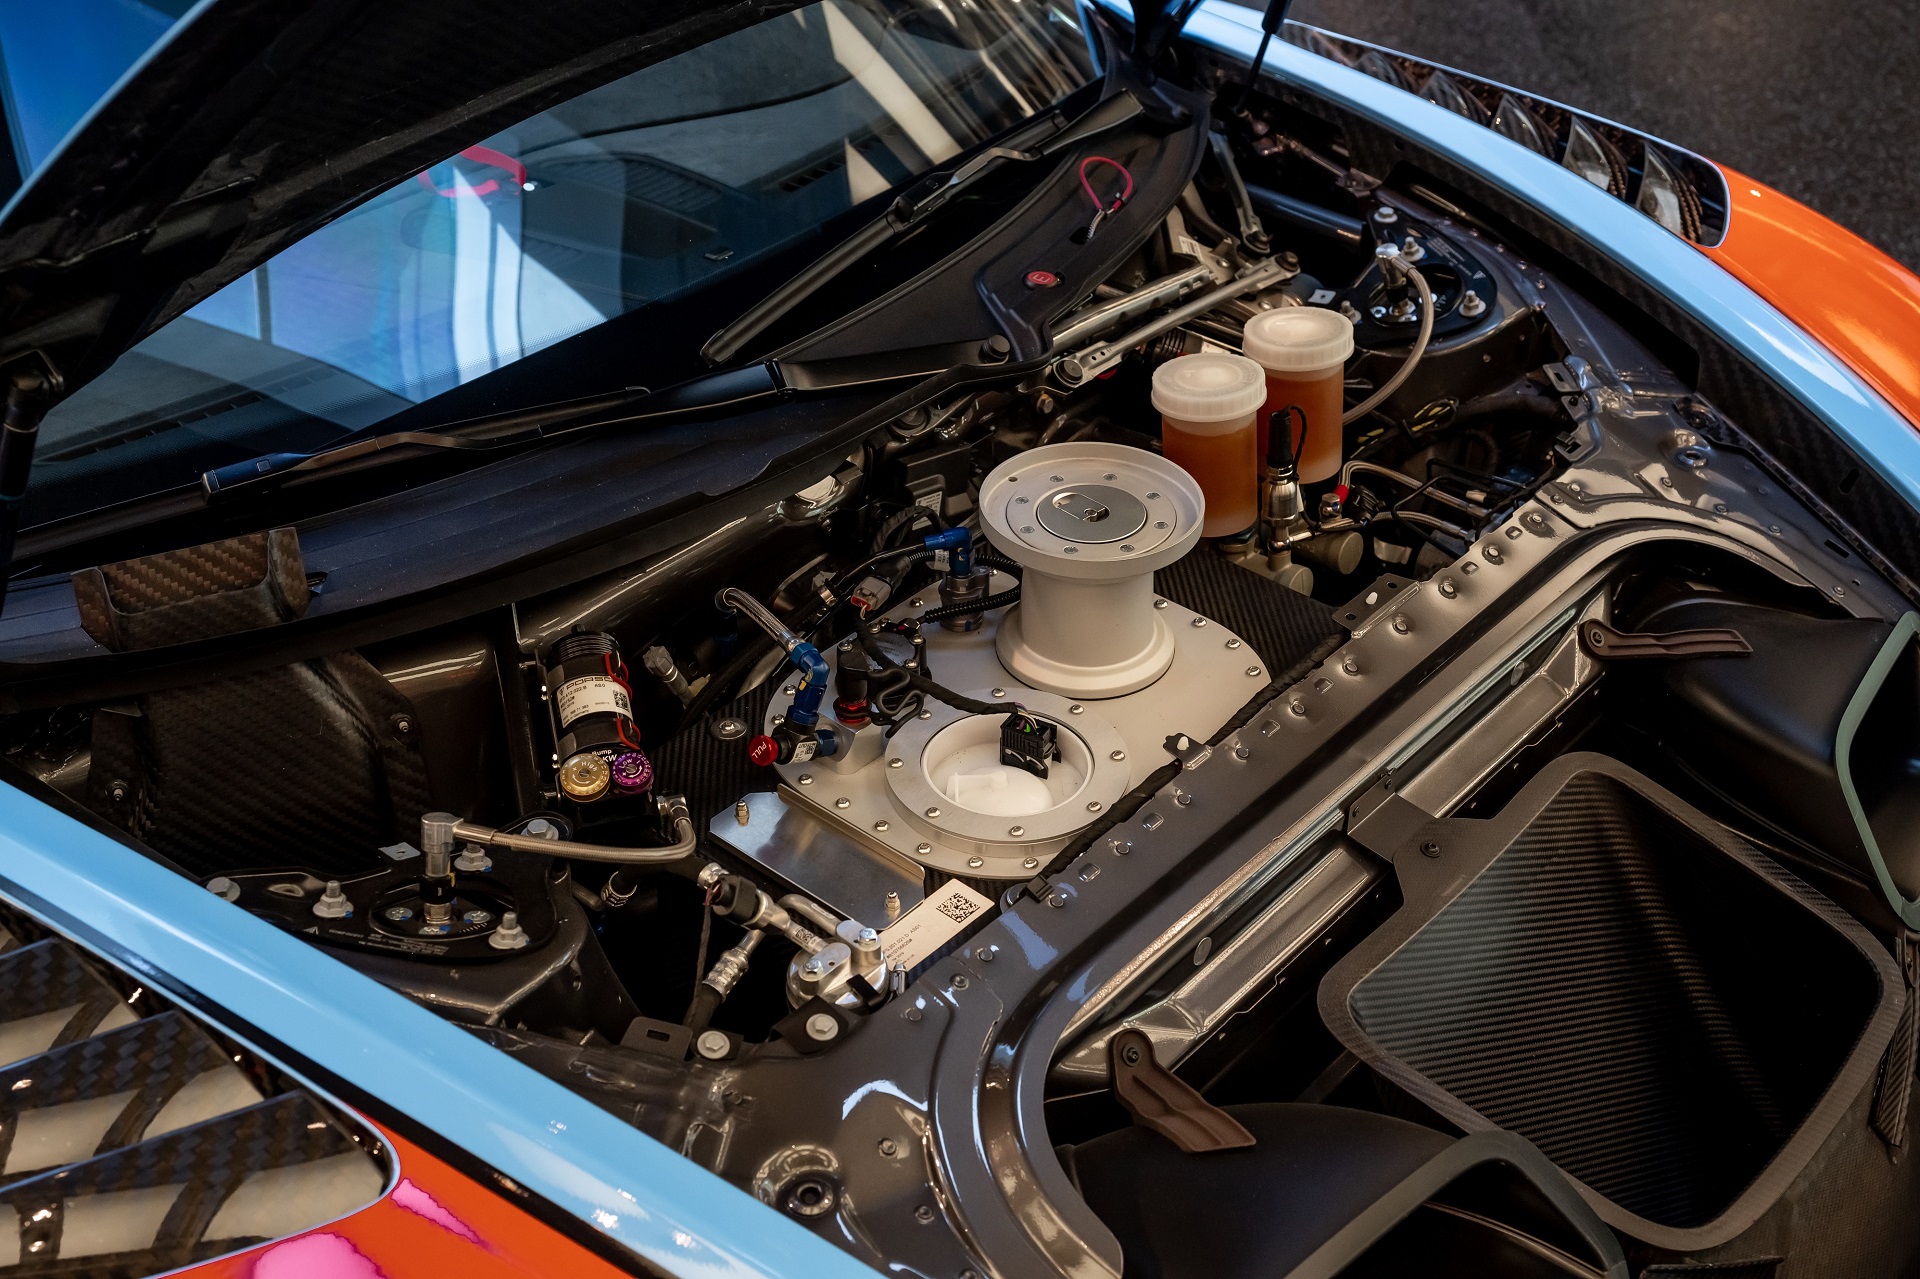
(848, 877)
(1213, 675)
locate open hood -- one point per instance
(255, 121)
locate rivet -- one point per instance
(1429, 849)
(975, 862)
(843, 802)
(1016, 831)
(1117, 755)
(896, 762)
(984, 954)
(933, 811)
(1030, 862)
(788, 691)
(1241, 753)
(1402, 624)
(1183, 798)
(1774, 529)
(1093, 805)
(889, 1147)
(1492, 554)
(1350, 665)
(1449, 587)
(925, 715)
(1253, 670)
(923, 1214)
(880, 826)
(999, 692)
(1075, 708)
(960, 981)
(1298, 707)
(923, 849)
(1199, 621)
(1159, 603)
(806, 779)
(1234, 643)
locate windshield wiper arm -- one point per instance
(1046, 136)
(727, 390)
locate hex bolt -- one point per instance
(509, 935)
(881, 826)
(822, 1027)
(333, 903)
(712, 1044)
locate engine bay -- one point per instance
(1422, 754)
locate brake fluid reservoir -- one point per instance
(1304, 351)
(1207, 404)
(1089, 524)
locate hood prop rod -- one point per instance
(32, 387)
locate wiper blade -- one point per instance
(1047, 136)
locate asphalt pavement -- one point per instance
(1820, 98)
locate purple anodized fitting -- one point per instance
(632, 772)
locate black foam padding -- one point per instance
(1283, 627)
(1655, 1016)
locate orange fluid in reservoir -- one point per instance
(1321, 397)
(1223, 458)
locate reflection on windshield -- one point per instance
(636, 191)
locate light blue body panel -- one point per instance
(1665, 262)
(179, 936)
(663, 1207)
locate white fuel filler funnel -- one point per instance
(1088, 524)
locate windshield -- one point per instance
(632, 193)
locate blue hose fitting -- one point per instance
(958, 544)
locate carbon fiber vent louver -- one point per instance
(1681, 191)
(133, 1140)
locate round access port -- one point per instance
(964, 796)
(963, 764)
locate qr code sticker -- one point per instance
(959, 909)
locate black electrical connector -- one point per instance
(1029, 742)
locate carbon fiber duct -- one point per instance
(1678, 1023)
(315, 763)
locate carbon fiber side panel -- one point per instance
(315, 763)
(1674, 1020)
(1282, 626)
